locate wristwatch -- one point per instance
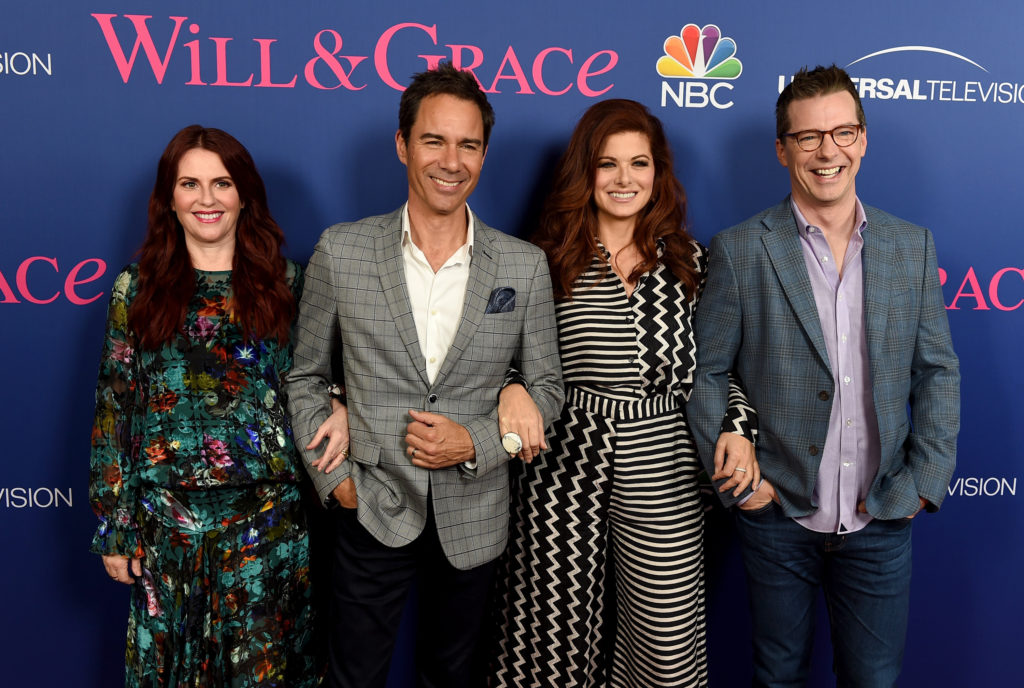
(512, 443)
(336, 391)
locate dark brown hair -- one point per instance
(443, 80)
(568, 223)
(820, 81)
(262, 302)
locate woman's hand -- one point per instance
(735, 460)
(335, 429)
(122, 569)
(517, 413)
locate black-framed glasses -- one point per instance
(810, 139)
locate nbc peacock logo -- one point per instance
(698, 53)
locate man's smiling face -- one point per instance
(824, 177)
(443, 156)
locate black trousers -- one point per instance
(370, 584)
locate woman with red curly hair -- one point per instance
(603, 582)
(194, 475)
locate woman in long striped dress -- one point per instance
(603, 580)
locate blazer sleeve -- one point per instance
(316, 340)
(537, 363)
(718, 329)
(934, 392)
(740, 416)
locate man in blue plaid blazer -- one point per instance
(429, 308)
(830, 313)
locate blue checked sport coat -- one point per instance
(757, 315)
(355, 298)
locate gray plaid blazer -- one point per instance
(758, 315)
(355, 299)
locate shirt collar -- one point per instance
(465, 251)
(803, 226)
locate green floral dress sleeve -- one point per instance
(112, 492)
(293, 276)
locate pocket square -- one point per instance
(503, 300)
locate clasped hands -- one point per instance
(736, 462)
(122, 569)
(432, 441)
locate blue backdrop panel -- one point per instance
(91, 92)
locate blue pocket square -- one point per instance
(503, 300)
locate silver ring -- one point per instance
(741, 470)
(414, 452)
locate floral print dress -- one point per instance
(194, 470)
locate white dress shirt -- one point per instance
(436, 298)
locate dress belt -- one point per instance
(621, 408)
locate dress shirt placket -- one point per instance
(436, 299)
(849, 381)
(631, 307)
(841, 318)
(445, 295)
(826, 287)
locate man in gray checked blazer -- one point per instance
(430, 308)
(830, 313)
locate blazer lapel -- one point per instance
(482, 273)
(782, 242)
(391, 268)
(879, 254)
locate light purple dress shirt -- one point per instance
(852, 453)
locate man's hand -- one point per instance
(735, 460)
(345, 493)
(763, 496)
(435, 441)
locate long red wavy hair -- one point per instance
(262, 302)
(567, 229)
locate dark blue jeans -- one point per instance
(866, 580)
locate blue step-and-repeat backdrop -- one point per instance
(90, 92)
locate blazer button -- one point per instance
(432, 398)
(823, 395)
(813, 450)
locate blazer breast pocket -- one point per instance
(501, 300)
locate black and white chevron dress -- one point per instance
(603, 580)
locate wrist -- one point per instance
(755, 501)
(337, 393)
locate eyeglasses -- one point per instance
(810, 139)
